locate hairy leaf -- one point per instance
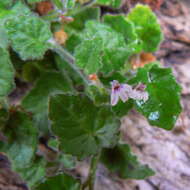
(6, 3)
(36, 101)
(17, 10)
(125, 27)
(6, 73)
(29, 36)
(163, 106)
(121, 109)
(111, 3)
(3, 38)
(58, 3)
(121, 161)
(35, 173)
(77, 121)
(101, 49)
(68, 4)
(22, 140)
(147, 27)
(81, 17)
(34, 1)
(62, 181)
(6, 13)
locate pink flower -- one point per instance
(119, 91)
(139, 93)
(125, 91)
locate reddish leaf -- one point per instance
(44, 7)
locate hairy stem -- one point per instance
(65, 55)
(80, 9)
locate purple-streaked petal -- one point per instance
(114, 98)
(123, 95)
(127, 88)
(139, 95)
(145, 96)
(114, 83)
(140, 87)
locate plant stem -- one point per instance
(92, 173)
(93, 169)
(80, 9)
(65, 55)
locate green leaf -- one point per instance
(121, 109)
(58, 3)
(29, 36)
(64, 67)
(113, 76)
(68, 4)
(6, 74)
(34, 1)
(64, 5)
(6, 3)
(3, 38)
(72, 42)
(101, 49)
(111, 3)
(80, 18)
(66, 160)
(125, 27)
(77, 121)
(63, 182)
(4, 116)
(147, 27)
(121, 161)
(7, 13)
(74, 28)
(21, 147)
(17, 10)
(36, 101)
(22, 140)
(163, 106)
(33, 174)
(30, 71)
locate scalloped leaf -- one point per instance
(147, 27)
(125, 27)
(74, 28)
(3, 38)
(163, 106)
(92, 13)
(101, 49)
(110, 3)
(62, 5)
(29, 36)
(35, 173)
(22, 140)
(21, 147)
(6, 3)
(18, 9)
(36, 101)
(121, 161)
(62, 181)
(6, 73)
(77, 121)
(69, 4)
(7, 13)
(34, 1)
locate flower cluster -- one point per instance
(125, 91)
